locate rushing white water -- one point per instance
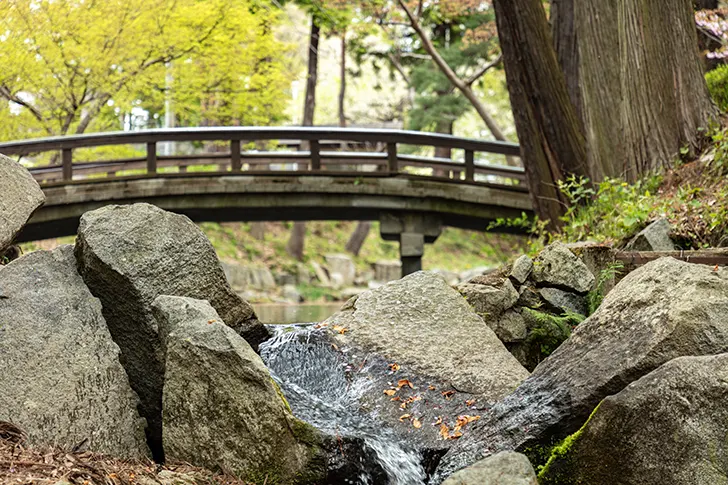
(324, 391)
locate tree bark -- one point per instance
(566, 45)
(297, 239)
(357, 238)
(551, 139)
(342, 82)
(642, 87)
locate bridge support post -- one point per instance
(413, 231)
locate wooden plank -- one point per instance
(151, 157)
(369, 136)
(392, 161)
(235, 161)
(469, 166)
(315, 155)
(67, 163)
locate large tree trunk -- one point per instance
(356, 241)
(552, 142)
(342, 82)
(567, 48)
(642, 88)
(296, 241)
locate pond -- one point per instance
(277, 313)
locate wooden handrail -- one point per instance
(314, 160)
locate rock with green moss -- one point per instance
(20, 196)
(221, 409)
(663, 310)
(504, 468)
(667, 427)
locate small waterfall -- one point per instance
(324, 390)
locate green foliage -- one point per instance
(549, 331)
(596, 296)
(717, 81)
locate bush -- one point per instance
(717, 80)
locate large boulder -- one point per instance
(504, 468)
(128, 256)
(663, 310)
(60, 376)
(422, 322)
(556, 266)
(221, 409)
(490, 301)
(243, 277)
(668, 427)
(20, 197)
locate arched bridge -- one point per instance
(279, 173)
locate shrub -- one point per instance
(717, 80)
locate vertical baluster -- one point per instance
(235, 161)
(315, 155)
(469, 166)
(151, 157)
(392, 162)
(67, 163)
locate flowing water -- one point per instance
(324, 390)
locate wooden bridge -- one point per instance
(252, 174)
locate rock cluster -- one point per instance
(532, 305)
(136, 327)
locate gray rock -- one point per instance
(655, 237)
(243, 277)
(61, 380)
(504, 468)
(422, 322)
(663, 310)
(558, 267)
(511, 327)
(221, 409)
(669, 427)
(490, 301)
(386, 271)
(283, 278)
(303, 274)
(20, 197)
(290, 293)
(321, 274)
(521, 269)
(472, 273)
(451, 277)
(529, 297)
(343, 265)
(561, 301)
(129, 255)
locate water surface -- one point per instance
(278, 313)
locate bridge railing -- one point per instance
(381, 153)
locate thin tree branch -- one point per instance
(483, 70)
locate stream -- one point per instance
(325, 391)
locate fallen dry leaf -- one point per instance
(439, 421)
(466, 419)
(447, 394)
(390, 392)
(394, 367)
(416, 423)
(405, 416)
(444, 431)
(432, 388)
(340, 329)
(404, 382)
(470, 402)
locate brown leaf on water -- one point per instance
(405, 416)
(455, 435)
(439, 421)
(394, 367)
(447, 394)
(466, 419)
(470, 402)
(390, 392)
(432, 388)
(396, 398)
(444, 432)
(403, 405)
(416, 423)
(209, 322)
